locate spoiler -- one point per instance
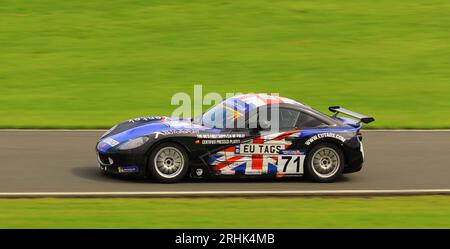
(362, 118)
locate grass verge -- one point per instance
(376, 212)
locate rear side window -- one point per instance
(291, 119)
(308, 121)
(288, 118)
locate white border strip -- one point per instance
(227, 193)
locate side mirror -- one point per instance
(263, 124)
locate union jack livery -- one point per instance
(257, 157)
(251, 135)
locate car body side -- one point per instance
(204, 144)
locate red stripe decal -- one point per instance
(285, 134)
(226, 163)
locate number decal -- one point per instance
(290, 164)
(298, 163)
(288, 160)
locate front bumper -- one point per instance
(131, 162)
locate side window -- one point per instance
(288, 118)
(308, 121)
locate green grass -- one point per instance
(94, 63)
(377, 212)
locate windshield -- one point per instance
(220, 116)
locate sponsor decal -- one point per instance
(253, 172)
(145, 119)
(128, 169)
(237, 149)
(182, 123)
(175, 132)
(264, 149)
(109, 141)
(222, 141)
(199, 171)
(220, 136)
(291, 152)
(323, 135)
(227, 172)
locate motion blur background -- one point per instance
(91, 64)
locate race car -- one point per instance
(236, 138)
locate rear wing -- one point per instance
(362, 118)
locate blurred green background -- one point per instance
(374, 212)
(88, 64)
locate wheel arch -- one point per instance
(333, 141)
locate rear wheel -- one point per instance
(325, 163)
(168, 163)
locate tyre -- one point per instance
(324, 163)
(168, 163)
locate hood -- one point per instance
(144, 126)
(133, 123)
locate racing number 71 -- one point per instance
(288, 160)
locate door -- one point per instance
(227, 158)
(285, 159)
(261, 154)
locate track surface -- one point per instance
(65, 161)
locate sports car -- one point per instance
(237, 138)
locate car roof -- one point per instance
(246, 103)
(251, 101)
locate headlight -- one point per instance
(133, 143)
(109, 131)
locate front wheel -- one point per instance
(325, 163)
(168, 163)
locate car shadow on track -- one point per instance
(258, 180)
(94, 173)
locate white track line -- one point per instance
(227, 193)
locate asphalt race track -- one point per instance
(65, 161)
